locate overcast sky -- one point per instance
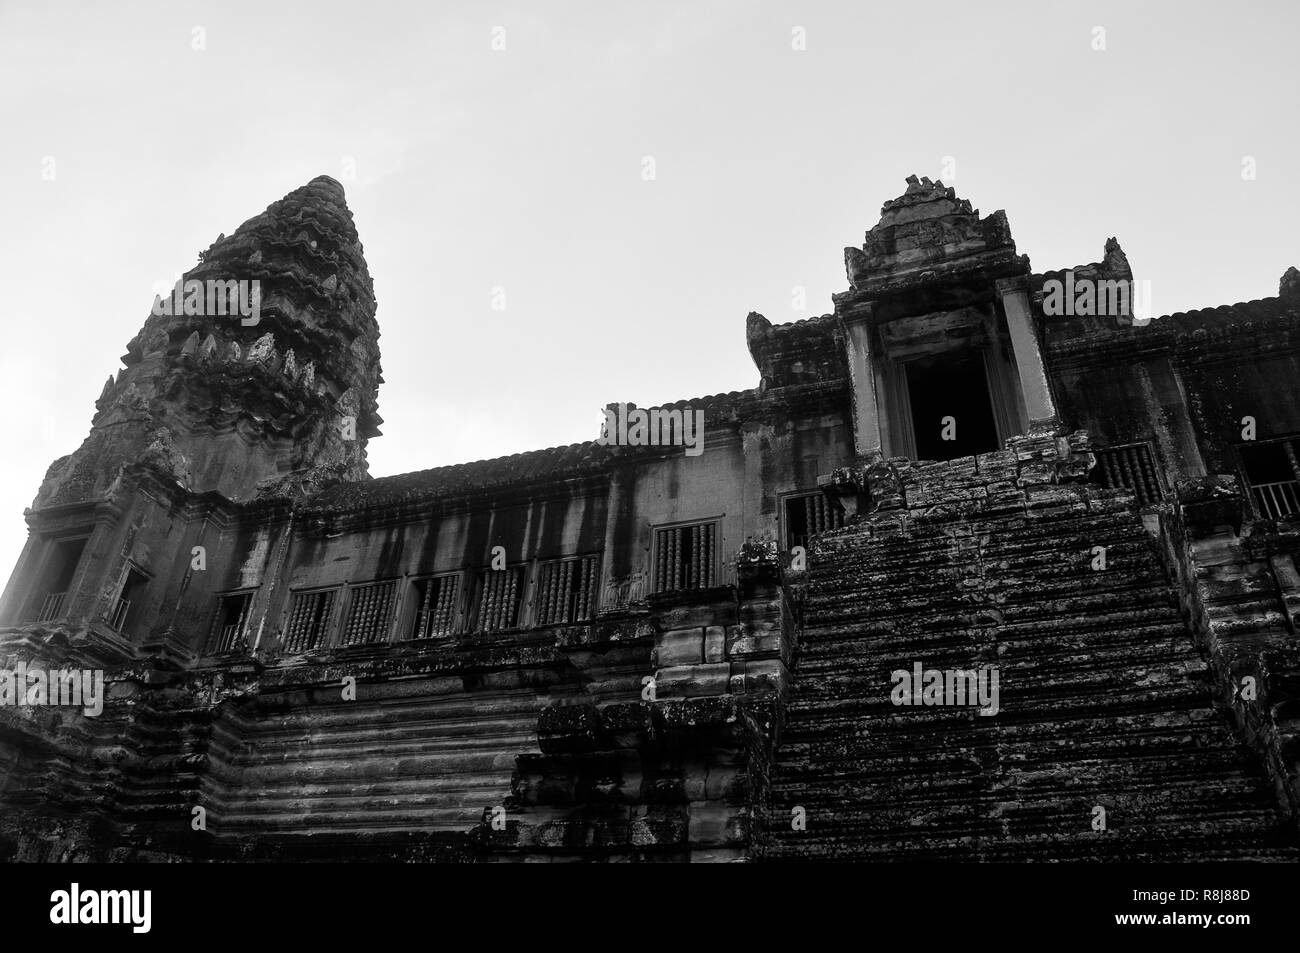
(524, 169)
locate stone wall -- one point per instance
(293, 763)
(1240, 594)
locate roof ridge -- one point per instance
(703, 399)
(485, 460)
(1209, 309)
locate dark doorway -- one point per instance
(952, 385)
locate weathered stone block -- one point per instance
(568, 728)
(658, 825)
(693, 608)
(1034, 474)
(628, 724)
(690, 681)
(997, 465)
(715, 644)
(610, 779)
(756, 640)
(761, 676)
(690, 714)
(1055, 497)
(758, 562)
(680, 647)
(717, 825)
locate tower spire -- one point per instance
(217, 374)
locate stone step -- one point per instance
(1103, 699)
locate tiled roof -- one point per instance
(1242, 310)
(711, 404)
(1218, 330)
(553, 463)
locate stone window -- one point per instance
(230, 622)
(1132, 466)
(1273, 474)
(370, 613)
(309, 619)
(127, 610)
(51, 597)
(808, 514)
(566, 592)
(435, 607)
(499, 594)
(686, 557)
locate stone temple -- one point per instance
(616, 651)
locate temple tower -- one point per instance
(254, 382)
(230, 403)
(942, 349)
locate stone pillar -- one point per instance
(94, 585)
(866, 409)
(19, 590)
(1040, 409)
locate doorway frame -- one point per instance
(902, 427)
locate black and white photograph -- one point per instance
(787, 433)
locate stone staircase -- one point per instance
(1104, 699)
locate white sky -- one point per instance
(522, 169)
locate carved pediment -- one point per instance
(924, 229)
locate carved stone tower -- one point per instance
(247, 406)
(251, 386)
